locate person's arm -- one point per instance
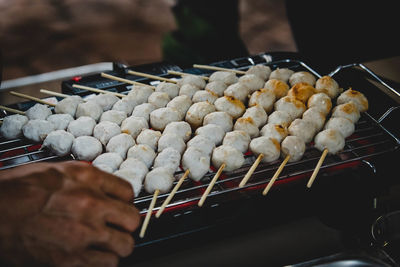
(65, 214)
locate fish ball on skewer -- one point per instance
(181, 103)
(105, 101)
(136, 166)
(195, 80)
(238, 90)
(159, 99)
(295, 108)
(226, 77)
(169, 158)
(280, 117)
(212, 131)
(347, 110)
(159, 178)
(303, 129)
(120, 144)
(354, 96)
(111, 159)
(68, 105)
(105, 130)
(328, 85)
(37, 130)
(11, 127)
(230, 156)
(252, 82)
(268, 147)
(282, 74)
(60, 121)
(143, 110)
(130, 176)
(86, 148)
(234, 107)
(114, 116)
(161, 117)
(302, 77)
(104, 168)
(171, 140)
(140, 93)
(219, 118)
(171, 89)
(189, 90)
(203, 95)
(82, 126)
(258, 114)
(38, 112)
(248, 125)
(203, 143)
(280, 88)
(264, 98)
(134, 125)
(197, 112)
(321, 101)
(217, 87)
(237, 139)
(196, 162)
(275, 131)
(59, 142)
(329, 139)
(126, 105)
(294, 147)
(301, 91)
(149, 137)
(90, 109)
(343, 125)
(316, 117)
(260, 70)
(180, 128)
(142, 152)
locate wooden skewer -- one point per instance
(185, 74)
(251, 170)
(148, 214)
(211, 185)
(154, 77)
(44, 91)
(207, 67)
(16, 111)
(319, 164)
(97, 90)
(171, 195)
(115, 78)
(32, 98)
(276, 175)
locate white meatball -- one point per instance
(149, 137)
(216, 87)
(171, 140)
(12, 126)
(348, 110)
(136, 166)
(105, 101)
(169, 158)
(130, 176)
(68, 105)
(196, 162)
(104, 168)
(329, 139)
(160, 118)
(143, 110)
(258, 114)
(280, 88)
(316, 117)
(181, 103)
(86, 148)
(226, 77)
(171, 89)
(252, 82)
(269, 147)
(328, 85)
(38, 112)
(143, 153)
(159, 99)
(280, 117)
(82, 126)
(260, 70)
(134, 125)
(295, 108)
(202, 143)
(301, 91)
(343, 125)
(230, 105)
(248, 125)
(158, 179)
(203, 95)
(302, 77)
(195, 80)
(140, 93)
(126, 105)
(89, 109)
(282, 74)
(321, 101)
(59, 142)
(105, 130)
(238, 90)
(294, 147)
(60, 121)
(232, 158)
(180, 128)
(213, 132)
(37, 130)
(113, 160)
(196, 113)
(303, 129)
(237, 139)
(264, 98)
(219, 118)
(114, 116)
(275, 131)
(188, 90)
(354, 96)
(120, 144)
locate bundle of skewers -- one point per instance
(193, 123)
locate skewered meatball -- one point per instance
(159, 99)
(196, 113)
(143, 110)
(316, 117)
(232, 158)
(196, 162)
(348, 110)
(303, 129)
(105, 130)
(294, 147)
(134, 125)
(321, 101)
(104, 168)
(258, 114)
(169, 158)
(160, 118)
(302, 77)
(158, 178)
(142, 152)
(171, 89)
(328, 85)
(37, 130)
(279, 87)
(260, 70)
(114, 116)
(38, 112)
(149, 137)
(60, 121)
(82, 126)
(105, 101)
(343, 125)
(195, 80)
(203, 95)
(120, 144)
(267, 146)
(219, 118)
(126, 105)
(248, 125)
(189, 90)
(354, 96)
(12, 126)
(295, 108)
(264, 98)
(113, 160)
(86, 148)
(213, 132)
(59, 142)
(203, 143)
(217, 87)
(130, 176)
(275, 131)
(226, 77)
(301, 91)
(329, 139)
(181, 103)
(136, 166)
(280, 117)
(237, 139)
(171, 140)
(234, 107)
(252, 82)
(140, 93)
(180, 128)
(238, 90)
(89, 109)
(68, 105)
(282, 74)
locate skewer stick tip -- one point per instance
(251, 170)
(148, 214)
(211, 185)
(276, 175)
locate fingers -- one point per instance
(99, 258)
(122, 215)
(113, 240)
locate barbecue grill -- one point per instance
(344, 196)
